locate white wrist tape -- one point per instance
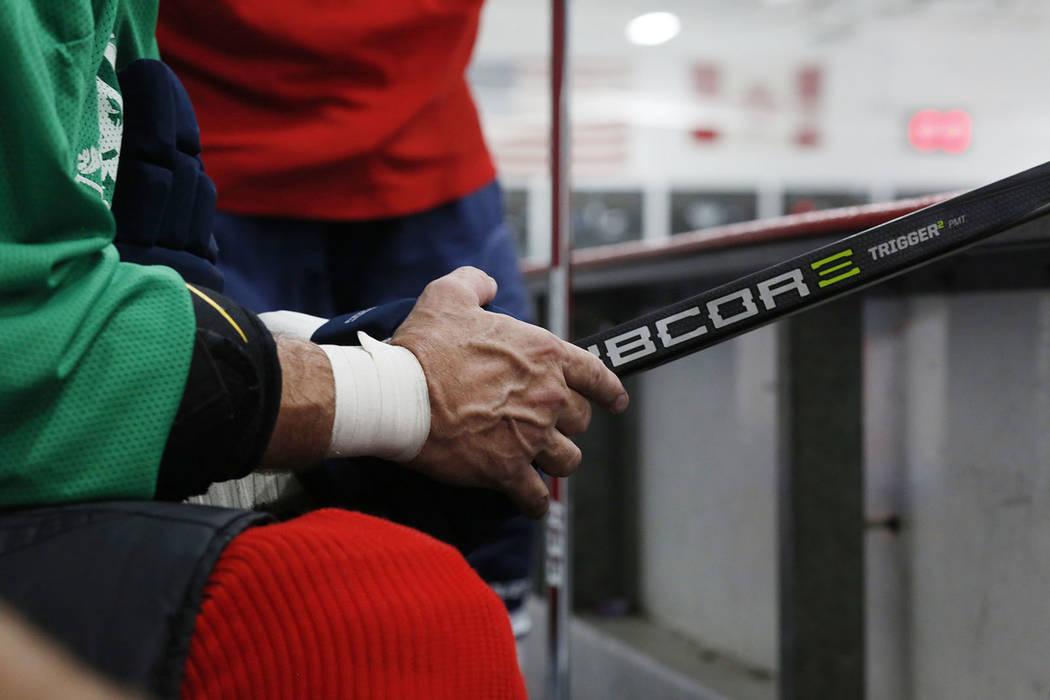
(382, 408)
(292, 323)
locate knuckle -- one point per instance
(467, 275)
(559, 398)
(552, 397)
(585, 417)
(440, 285)
(597, 372)
(550, 344)
(540, 503)
(577, 421)
(506, 475)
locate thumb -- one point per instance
(479, 284)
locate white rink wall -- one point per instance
(876, 62)
(957, 444)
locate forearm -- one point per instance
(303, 430)
(249, 389)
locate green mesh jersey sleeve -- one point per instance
(134, 31)
(93, 352)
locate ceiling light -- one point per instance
(653, 28)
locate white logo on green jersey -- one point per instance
(97, 164)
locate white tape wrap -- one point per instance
(292, 323)
(382, 407)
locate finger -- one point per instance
(576, 416)
(529, 493)
(560, 458)
(469, 284)
(588, 375)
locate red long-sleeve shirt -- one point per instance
(331, 110)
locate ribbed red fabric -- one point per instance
(337, 604)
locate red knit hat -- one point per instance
(336, 604)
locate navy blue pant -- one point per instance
(329, 268)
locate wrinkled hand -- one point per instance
(504, 394)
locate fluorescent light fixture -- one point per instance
(653, 28)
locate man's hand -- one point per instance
(503, 394)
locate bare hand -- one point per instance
(504, 394)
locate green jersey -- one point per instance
(93, 352)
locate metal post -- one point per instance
(559, 293)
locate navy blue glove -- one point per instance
(164, 203)
(379, 322)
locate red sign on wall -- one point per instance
(932, 130)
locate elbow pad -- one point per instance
(230, 401)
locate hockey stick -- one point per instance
(823, 274)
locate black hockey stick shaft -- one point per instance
(823, 274)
